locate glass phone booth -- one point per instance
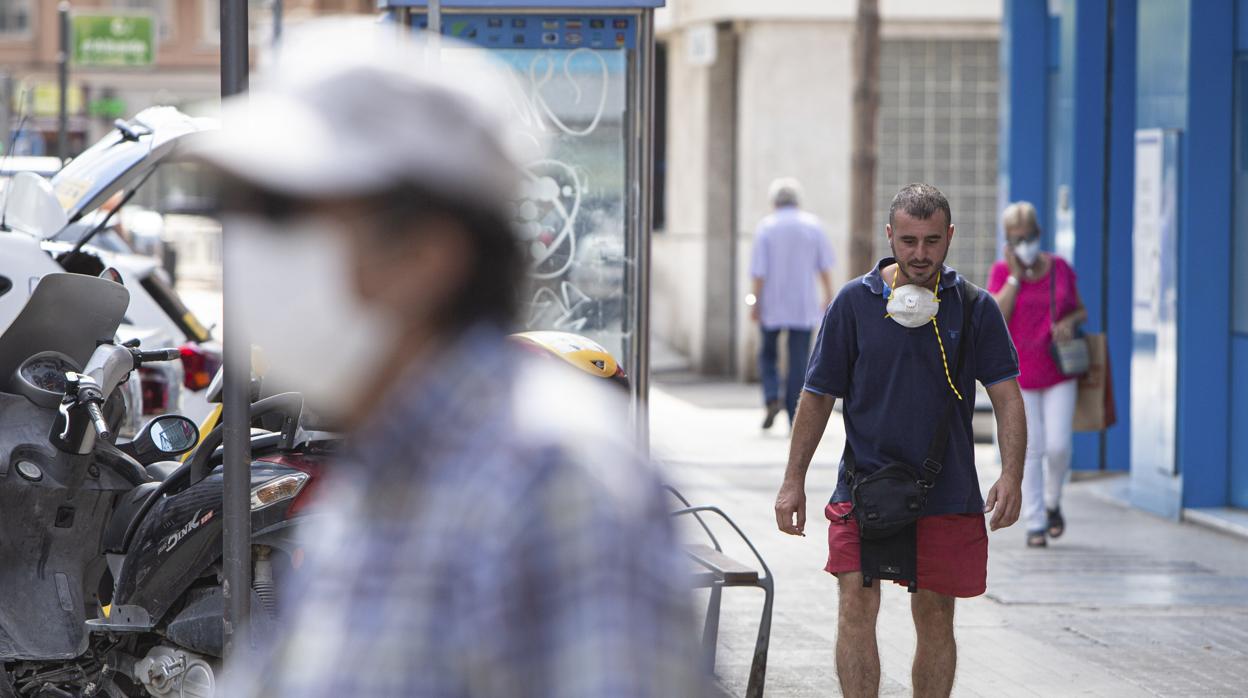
(583, 73)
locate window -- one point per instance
(162, 10)
(1239, 299)
(14, 18)
(938, 124)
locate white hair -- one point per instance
(785, 191)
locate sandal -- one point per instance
(1036, 539)
(1057, 525)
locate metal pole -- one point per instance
(6, 111)
(62, 76)
(237, 399)
(277, 21)
(640, 367)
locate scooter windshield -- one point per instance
(68, 313)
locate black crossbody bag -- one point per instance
(888, 501)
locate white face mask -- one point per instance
(299, 305)
(1027, 252)
(912, 306)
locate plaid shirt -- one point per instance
(496, 535)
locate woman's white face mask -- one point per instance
(296, 300)
(1027, 251)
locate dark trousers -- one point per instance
(799, 354)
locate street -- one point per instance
(1124, 604)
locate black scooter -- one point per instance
(111, 576)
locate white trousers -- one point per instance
(1049, 416)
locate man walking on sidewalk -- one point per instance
(891, 348)
(790, 251)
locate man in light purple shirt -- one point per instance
(791, 251)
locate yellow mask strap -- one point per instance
(944, 359)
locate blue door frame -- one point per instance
(1056, 153)
(1239, 329)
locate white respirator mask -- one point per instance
(299, 306)
(912, 306)
(915, 306)
(1027, 252)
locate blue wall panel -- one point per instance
(1024, 61)
(1239, 423)
(1241, 33)
(1204, 265)
(1087, 179)
(1088, 153)
(1239, 342)
(1121, 208)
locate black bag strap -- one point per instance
(932, 464)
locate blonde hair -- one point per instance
(1020, 214)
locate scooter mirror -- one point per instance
(173, 434)
(162, 438)
(113, 275)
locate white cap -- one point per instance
(351, 106)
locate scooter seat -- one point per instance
(161, 470)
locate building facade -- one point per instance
(752, 91)
(1125, 123)
(185, 71)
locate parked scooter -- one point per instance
(117, 533)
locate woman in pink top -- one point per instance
(1022, 285)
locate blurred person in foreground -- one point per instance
(490, 530)
(1039, 297)
(791, 250)
(878, 351)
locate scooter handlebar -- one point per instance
(97, 418)
(142, 357)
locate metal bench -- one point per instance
(714, 570)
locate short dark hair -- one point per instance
(920, 201)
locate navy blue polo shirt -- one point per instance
(892, 381)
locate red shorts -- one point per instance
(952, 550)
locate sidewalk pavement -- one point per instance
(1125, 604)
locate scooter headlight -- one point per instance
(277, 490)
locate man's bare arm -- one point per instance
(813, 411)
(1006, 497)
(756, 311)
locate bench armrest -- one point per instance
(694, 511)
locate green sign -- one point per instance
(107, 107)
(113, 40)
